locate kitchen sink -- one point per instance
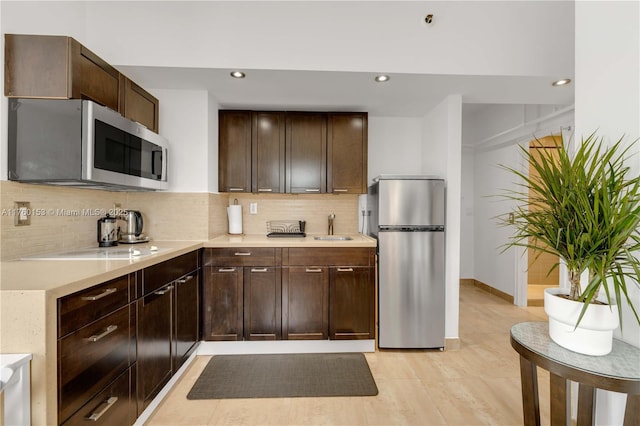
(333, 238)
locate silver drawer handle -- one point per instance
(187, 278)
(236, 189)
(163, 292)
(313, 270)
(311, 190)
(243, 253)
(107, 404)
(101, 295)
(345, 269)
(227, 270)
(105, 333)
(265, 190)
(340, 190)
(259, 270)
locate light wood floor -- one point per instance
(476, 385)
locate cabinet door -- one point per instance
(138, 105)
(351, 303)
(154, 344)
(92, 78)
(306, 153)
(222, 303)
(262, 303)
(305, 302)
(347, 153)
(186, 318)
(234, 151)
(268, 152)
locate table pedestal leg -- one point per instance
(586, 405)
(530, 403)
(632, 412)
(560, 400)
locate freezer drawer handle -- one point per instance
(243, 253)
(345, 269)
(259, 270)
(105, 293)
(313, 270)
(105, 333)
(95, 416)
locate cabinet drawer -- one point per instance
(115, 405)
(81, 308)
(158, 275)
(241, 256)
(92, 357)
(329, 256)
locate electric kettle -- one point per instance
(132, 232)
(107, 232)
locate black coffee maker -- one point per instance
(107, 231)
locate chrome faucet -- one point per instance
(332, 216)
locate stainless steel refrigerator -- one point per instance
(407, 217)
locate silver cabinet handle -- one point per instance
(265, 190)
(259, 270)
(227, 270)
(105, 293)
(243, 253)
(311, 190)
(105, 333)
(185, 279)
(236, 189)
(313, 270)
(105, 407)
(345, 269)
(162, 292)
(340, 190)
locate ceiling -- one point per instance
(405, 95)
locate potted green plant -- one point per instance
(583, 207)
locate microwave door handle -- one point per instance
(155, 156)
(163, 157)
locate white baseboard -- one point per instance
(285, 347)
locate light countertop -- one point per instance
(358, 240)
(62, 277)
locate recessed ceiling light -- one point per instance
(237, 74)
(561, 82)
(382, 78)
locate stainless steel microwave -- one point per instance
(80, 143)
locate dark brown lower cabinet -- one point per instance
(115, 405)
(351, 303)
(186, 315)
(222, 303)
(154, 343)
(262, 303)
(305, 302)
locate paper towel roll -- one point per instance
(234, 214)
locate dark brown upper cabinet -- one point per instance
(347, 153)
(138, 105)
(268, 152)
(306, 153)
(234, 151)
(59, 67)
(292, 152)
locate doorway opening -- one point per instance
(538, 276)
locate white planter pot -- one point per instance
(594, 335)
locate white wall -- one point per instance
(467, 262)
(608, 100)
(442, 156)
(394, 146)
(212, 163)
(184, 121)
